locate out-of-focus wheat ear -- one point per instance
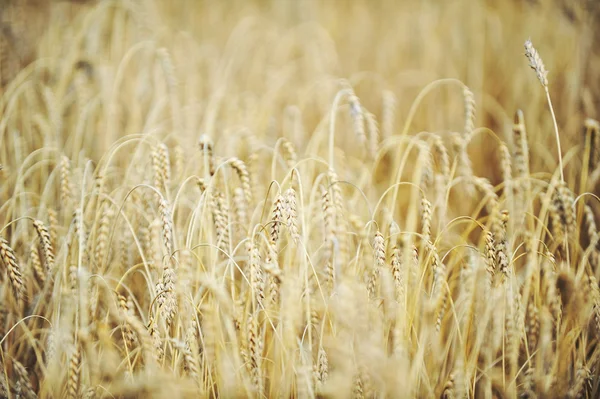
(240, 209)
(358, 118)
(464, 167)
(128, 334)
(150, 342)
(255, 349)
(220, 211)
(506, 166)
(373, 133)
(155, 339)
(593, 236)
(337, 198)
(397, 271)
(321, 371)
(13, 269)
(532, 328)
(65, 181)
(206, 147)
(167, 225)
(551, 296)
(275, 275)
(449, 388)
(440, 152)
(291, 214)
(521, 161)
(45, 244)
(178, 162)
(159, 178)
(378, 264)
(36, 264)
(24, 380)
(74, 373)
(562, 213)
(277, 218)
(358, 386)
(425, 221)
(388, 113)
(52, 226)
(426, 164)
(521, 146)
(502, 253)
(257, 279)
(328, 221)
(101, 248)
(73, 279)
(594, 300)
(242, 171)
(164, 164)
(3, 380)
(592, 130)
(289, 153)
(583, 378)
(169, 281)
(469, 100)
(89, 393)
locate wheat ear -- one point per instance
(536, 63)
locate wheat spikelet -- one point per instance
(533, 325)
(256, 273)
(427, 165)
(9, 261)
(23, 380)
(74, 373)
(65, 180)
(277, 218)
(358, 118)
(562, 213)
(469, 100)
(502, 256)
(52, 226)
(46, 244)
(291, 213)
(101, 242)
(441, 154)
(36, 264)
(506, 166)
(490, 252)
(220, 210)
(378, 264)
(167, 225)
(425, 220)
(536, 63)
(464, 167)
(321, 371)
(242, 171)
(255, 354)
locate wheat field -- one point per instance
(297, 199)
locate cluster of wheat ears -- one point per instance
(147, 251)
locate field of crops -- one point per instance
(299, 199)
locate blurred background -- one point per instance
(264, 56)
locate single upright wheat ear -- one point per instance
(536, 63)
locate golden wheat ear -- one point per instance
(536, 63)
